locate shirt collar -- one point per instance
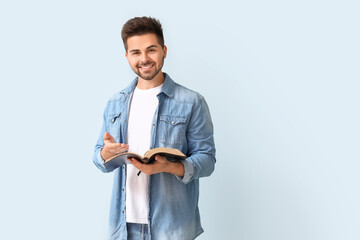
(167, 88)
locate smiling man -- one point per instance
(157, 200)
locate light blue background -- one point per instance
(282, 82)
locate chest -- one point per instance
(169, 121)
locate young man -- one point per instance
(154, 111)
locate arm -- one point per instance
(201, 149)
(106, 146)
(201, 146)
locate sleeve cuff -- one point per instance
(101, 162)
(189, 171)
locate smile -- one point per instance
(146, 67)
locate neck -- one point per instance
(148, 84)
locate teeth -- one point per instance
(147, 67)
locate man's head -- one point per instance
(140, 26)
(145, 49)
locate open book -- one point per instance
(149, 157)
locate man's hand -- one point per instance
(111, 148)
(161, 164)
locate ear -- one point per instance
(165, 51)
(126, 55)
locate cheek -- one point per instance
(159, 59)
(133, 63)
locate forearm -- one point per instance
(98, 161)
(176, 168)
(97, 158)
(196, 167)
(201, 146)
(202, 165)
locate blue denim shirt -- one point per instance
(182, 120)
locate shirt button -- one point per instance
(123, 211)
(172, 122)
(123, 189)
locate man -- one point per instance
(158, 200)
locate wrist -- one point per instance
(104, 154)
(176, 168)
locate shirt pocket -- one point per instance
(172, 130)
(114, 124)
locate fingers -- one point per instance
(139, 165)
(117, 147)
(136, 163)
(160, 158)
(108, 138)
(160, 165)
(112, 146)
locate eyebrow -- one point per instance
(136, 50)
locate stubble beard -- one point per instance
(149, 77)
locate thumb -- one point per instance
(108, 137)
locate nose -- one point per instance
(144, 58)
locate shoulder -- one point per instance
(118, 96)
(116, 102)
(123, 95)
(186, 95)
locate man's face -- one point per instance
(145, 55)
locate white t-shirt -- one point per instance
(142, 110)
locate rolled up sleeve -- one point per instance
(201, 146)
(97, 159)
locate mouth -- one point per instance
(146, 67)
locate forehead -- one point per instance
(142, 41)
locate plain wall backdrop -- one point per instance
(282, 82)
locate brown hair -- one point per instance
(142, 25)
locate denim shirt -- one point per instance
(182, 120)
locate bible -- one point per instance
(171, 153)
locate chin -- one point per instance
(148, 77)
